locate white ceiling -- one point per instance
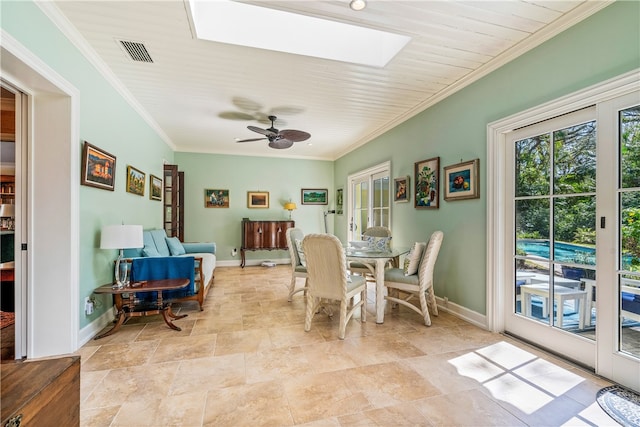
(199, 94)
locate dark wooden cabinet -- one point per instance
(264, 235)
(41, 392)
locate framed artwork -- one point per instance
(135, 181)
(214, 198)
(427, 184)
(401, 186)
(339, 201)
(155, 188)
(314, 196)
(461, 181)
(98, 168)
(257, 199)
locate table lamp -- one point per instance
(290, 206)
(121, 237)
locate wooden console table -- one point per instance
(264, 235)
(129, 307)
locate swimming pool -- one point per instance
(564, 252)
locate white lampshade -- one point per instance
(121, 237)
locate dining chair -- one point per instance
(360, 268)
(418, 285)
(298, 267)
(328, 279)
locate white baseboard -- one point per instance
(473, 317)
(91, 330)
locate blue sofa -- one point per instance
(158, 252)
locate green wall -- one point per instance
(107, 121)
(603, 46)
(282, 178)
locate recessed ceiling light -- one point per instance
(357, 4)
(254, 26)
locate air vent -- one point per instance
(136, 51)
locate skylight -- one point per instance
(254, 26)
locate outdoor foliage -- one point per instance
(574, 184)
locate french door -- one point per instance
(369, 200)
(572, 235)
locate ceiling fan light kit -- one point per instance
(277, 139)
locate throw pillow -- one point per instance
(412, 260)
(378, 243)
(303, 260)
(175, 246)
(150, 251)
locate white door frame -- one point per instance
(358, 176)
(50, 277)
(496, 186)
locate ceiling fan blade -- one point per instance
(262, 131)
(295, 135)
(280, 143)
(235, 115)
(250, 139)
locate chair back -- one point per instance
(377, 232)
(294, 234)
(326, 266)
(428, 262)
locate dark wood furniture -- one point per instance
(264, 235)
(173, 201)
(129, 307)
(41, 392)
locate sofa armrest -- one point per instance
(197, 247)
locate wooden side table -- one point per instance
(128, 306)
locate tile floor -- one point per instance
(246, 360)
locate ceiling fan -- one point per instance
(251, 110)
(278, 139)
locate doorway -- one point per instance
(8, 103)
(369, 200)
(563, 195)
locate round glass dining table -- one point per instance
(375, 261)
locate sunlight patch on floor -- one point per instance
(516, 376)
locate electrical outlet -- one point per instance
(446, 300)
(234, 252)
(88, 306)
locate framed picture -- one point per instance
(461, 181)
(427, 184)
(400, 187)
(135, 181)
(314, 196)
(339, 201)
(98, 168)
(155, 188)
(214, 198)
(257, 199)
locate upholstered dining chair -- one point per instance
(418, 285)
(298, 264)
(329, 280)
(358, 267)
